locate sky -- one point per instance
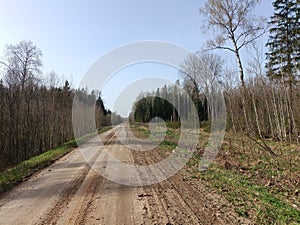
(73, 35)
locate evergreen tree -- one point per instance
(284, 45)
(159, 104)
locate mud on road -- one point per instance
(71, 192)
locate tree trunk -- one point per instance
(241, 71)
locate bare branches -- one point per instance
(22, 62)
(220, 47)
(232, 21)
(250, 40)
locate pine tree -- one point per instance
(284, 51)
(284, 45)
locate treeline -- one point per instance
(266, 104)
(35, 111)
(262, 107)
(262, 93)
(271, 111)
(268, 108)
(169, 104)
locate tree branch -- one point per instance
(251, 40)
(219, 47)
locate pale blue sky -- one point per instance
(74, 34)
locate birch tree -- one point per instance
(234, 28)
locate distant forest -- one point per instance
(168, 103)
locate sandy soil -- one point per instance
(70, 192)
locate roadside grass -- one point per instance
(173, 125)
(13, 176)
(104, 129)
(171, 136)
(261, 187)
(140, 130)
(251, 200)
(171, 140)
(280, 173)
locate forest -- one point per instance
(36, 109)
(262, 96)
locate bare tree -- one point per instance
(190, 71)
(229, 81)
(37, 116)
(231, 21)
(201, 72)
(234, 28)
(23, 63)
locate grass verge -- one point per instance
(261, 187)
(19, 173)
(251, 200)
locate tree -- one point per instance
(284, 50)
(201, 72)
(232, 21)
(284, 46)
(191, 71)
(168, 103)
(23, 63)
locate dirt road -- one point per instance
(70, 192)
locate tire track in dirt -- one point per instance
(187, 201)
(80, 205)
(87, 185)
(176, 209)
(189, 217)
(95, 180)
(115, 203)
(207, 205)
(155, 208)
(71, 192)
(52, 216)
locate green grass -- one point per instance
(248, 191)
(171, 135)
(206, 126)
(19, 173)
(251, 198)
(15, 175)
(168, 144)
(141, 130)
(104, 129)
(174, 125)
